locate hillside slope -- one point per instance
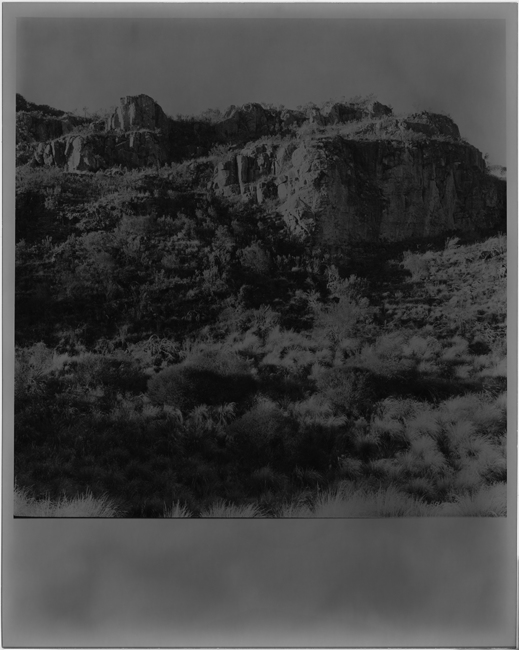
(266, 313)
(393, 403)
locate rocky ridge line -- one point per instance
(342, 173)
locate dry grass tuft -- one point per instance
(81, 506)
(177, 511)
(222, 509)
(488, 501)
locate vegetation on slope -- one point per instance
(184, 355)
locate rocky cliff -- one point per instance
(339, 174)
(92, 152)
(341, 190)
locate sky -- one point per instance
(454, 66)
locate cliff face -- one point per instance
(167, 140)
(341, 174)
(139, 112)
(94, 152)
(33, 127)
(342, 191)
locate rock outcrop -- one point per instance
(92, 152)
(342, 113)
(253, 121)
(244, 122)
(140, 112)
(416, 126)
(34, 127)
(341, 191)
(134, 135)
(39, 128)
(353, 173)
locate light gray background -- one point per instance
(421, 582)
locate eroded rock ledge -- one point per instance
(342, 173)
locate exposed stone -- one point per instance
(315, 116)
(432, 125)
(40, 128)
(242, 123)
(341, 113)
(139, 112)
(389, 178)
(344, 191)
(290, 119)
(226, 177)
(424, 125)
(94, 152)
(80, 155)
(376, 109)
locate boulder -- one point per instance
(81, 155)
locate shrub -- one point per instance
(223, 362)
(421, 348)
(262, 421)
(263, 436)
(351, 390)
(391, 435)
(289, 350)
(350, 468)
(117, 372)
(419, 265)
(347, 310)
(385, 357)
(265, 477)
(221, 152)
(255, 258)
(315, 410)
(33, 368)
(209, 378)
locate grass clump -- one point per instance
(488, 501)
(85, 505)
(223, 510)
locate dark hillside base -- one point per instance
(388, 410)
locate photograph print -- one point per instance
(261, 266)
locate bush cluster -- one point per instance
(186, 356)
